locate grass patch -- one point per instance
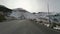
(2, 18)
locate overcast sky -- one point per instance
(33, 5)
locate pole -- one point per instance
(48, 11)
(49, 14)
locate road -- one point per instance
(24, 27)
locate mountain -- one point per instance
(41, 14)
(20, 13)
(6, 11)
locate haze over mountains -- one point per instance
(20, 13)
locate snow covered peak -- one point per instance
(20, 10)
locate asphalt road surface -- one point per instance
(24, 27)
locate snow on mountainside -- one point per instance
(29, 15)
(43, 14)
(22, 14)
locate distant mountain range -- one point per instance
(20, 13)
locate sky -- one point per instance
(33, 5)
